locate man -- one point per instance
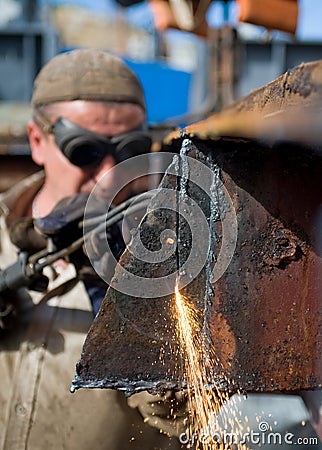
(92, 95)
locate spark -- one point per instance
(198, 358)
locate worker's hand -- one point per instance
(167, 412)
(7, 311)
(24, 236)
(15, 309)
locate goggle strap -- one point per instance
(43, 122)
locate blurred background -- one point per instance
(192, 57)
(204, 58)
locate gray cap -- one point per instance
(86, 74)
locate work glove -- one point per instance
(65, 224)
(29, 242)
(7, 311)
(14, 304)
(24, 236)
(62, 224)
(168, 412)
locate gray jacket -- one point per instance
(37, 364)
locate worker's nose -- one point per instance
(104, 177)
(104, 166)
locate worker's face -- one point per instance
(109, 119)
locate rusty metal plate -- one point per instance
(264, 314)
(288, 108)
(262, 319)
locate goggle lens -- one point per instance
(84, 148)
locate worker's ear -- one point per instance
(37, 140)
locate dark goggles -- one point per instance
(84, 148)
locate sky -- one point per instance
(309, 25)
